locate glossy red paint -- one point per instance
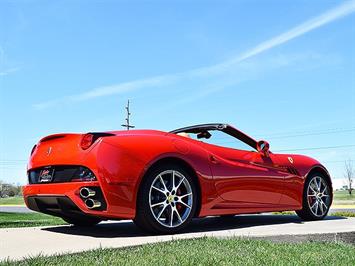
(230, 181)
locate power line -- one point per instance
(325, 131)
(313, 134)
(339, 161)
(304, 133)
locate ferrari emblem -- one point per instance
(170, 198)
(290, 159)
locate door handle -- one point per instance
(213, 159)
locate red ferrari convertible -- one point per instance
(162, 180)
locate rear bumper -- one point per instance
(64, 200)
(60, 206)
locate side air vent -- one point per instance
(293, 170)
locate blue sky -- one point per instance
(278, 70)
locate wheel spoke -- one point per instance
(161, 212)
(185, 195)
(314, 204)
(182, 180)
(183, 203)
(321, 207)
(325, 188)
(162, 181)
(171, 216)
(173, 179)
(325, 205)
(317, 207)
(319, 184)
(161, 191)
(310, 186)
(157, 204)
(178, 215)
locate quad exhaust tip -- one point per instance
(87, 192)
(91, 203)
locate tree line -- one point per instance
(9, 190)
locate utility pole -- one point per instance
(127, 125)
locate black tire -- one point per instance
(145, 218)
(306, 213)
(84, 222)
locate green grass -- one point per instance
(17, 200)
(343, 214)
(343, 198)
(9, 220)
(208, 251)
(284, 213)
(340, 213)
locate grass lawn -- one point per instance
(8, 220)
(343, 214)
(343, 198)
(340, 213)
(17, 200)
(209, 251)
(343, 195)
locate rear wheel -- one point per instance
(167, 200)
(90, 221)
(317, 198)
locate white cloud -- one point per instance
(338, 12)
(9, 71)
(5, 71)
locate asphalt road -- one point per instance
(16, 243)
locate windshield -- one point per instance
(218, 134)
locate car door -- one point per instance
(246, 176)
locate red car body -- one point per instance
(230, 181)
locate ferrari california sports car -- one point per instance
(162, 180)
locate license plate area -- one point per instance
(46, 175)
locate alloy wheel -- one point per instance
(318, 196)
(170, 198)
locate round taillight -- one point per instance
(86, 141)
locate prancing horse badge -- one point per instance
(290, 159)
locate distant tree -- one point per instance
(9, 190)
(349, 175)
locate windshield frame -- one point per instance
(226, 128)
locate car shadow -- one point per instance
(127, 228)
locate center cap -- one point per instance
(170, 198)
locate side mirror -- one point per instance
(263, 147)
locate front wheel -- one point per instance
(167, 200)
(317, 198)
